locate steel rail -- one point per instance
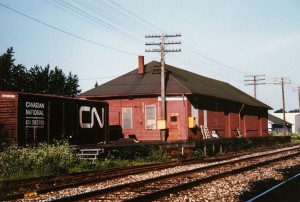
(9, 189)
(189, 185)
(90, 177)
(159, 179)
(267, 194)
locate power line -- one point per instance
(138, 17)
(92, 16)
(68, 33)
(105, 77)
(162, 52)
(188, 47)
(129, 17)
(282, 81)
(190, 62)
(120, 13)
(297, 89)
(254, 81)
(194, 50)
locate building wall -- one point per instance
(289, 117)
(179, 107)
(227, 117)
(223, 116)
(297, 123)
(137, 106)
(252, 126)
(175, 107)
(216, 121)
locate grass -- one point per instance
(45, 160)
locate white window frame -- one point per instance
(195, 114)
(124, 118)
(150, 124)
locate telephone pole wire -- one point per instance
(254, 81)
(297, 89)
(282, 81)
(162, 50)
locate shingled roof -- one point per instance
(178, 81)
(276, 120)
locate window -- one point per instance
(173, 118)
(127, 118)
(150, 117)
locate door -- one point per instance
(174, 126)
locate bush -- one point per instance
(58, 158)
(157, 155)
(198, 154)
(41, 160)
(125, 157)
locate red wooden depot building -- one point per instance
(134, 104)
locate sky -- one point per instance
(99, 40)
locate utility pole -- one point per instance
(282, 81)
(297, 89)
(254, 81)
(162, 44)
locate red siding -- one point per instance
(264, 126)
(8, 117)
(227, 126)
(234, 124)
(216, 121)
(252, 126)
(138, 117)
(179, 107)
(223, 116)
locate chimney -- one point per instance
(141, 69)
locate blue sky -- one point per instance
(224, 40)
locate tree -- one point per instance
(294, 111)
(6, 66)
(57, 81)
(71, 85)
(19, 78)
(279, 111)
(35, 80)
(39, 79)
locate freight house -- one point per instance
(134, 104)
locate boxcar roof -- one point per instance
(178, 81)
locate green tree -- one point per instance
(6, 66)
(294, 111)
(39, 79)
(71, 85)
(57, 81)
(19, 80)
(35, 80)
(279, 111)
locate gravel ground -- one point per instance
(219, 190)
(231, 188)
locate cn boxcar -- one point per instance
(32, 118)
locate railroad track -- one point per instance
(287, 190)
(56, 183)
(16, 189)
(156, 187)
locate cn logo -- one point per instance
(94, 113)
